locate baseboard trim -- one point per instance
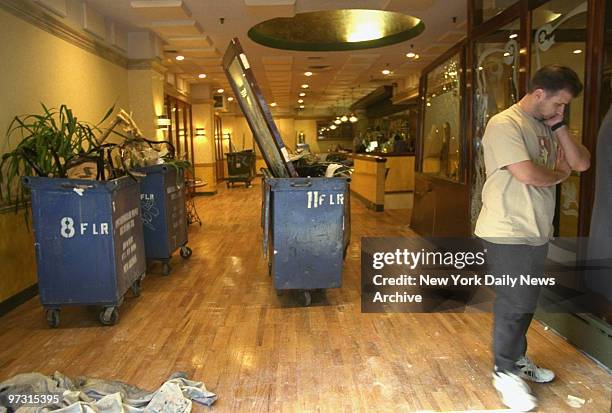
(15, 301)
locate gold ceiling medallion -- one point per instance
(335, 30)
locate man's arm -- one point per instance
(531, 174)
(577, 155)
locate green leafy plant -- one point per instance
(49, 145)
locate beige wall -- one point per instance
(40, 67)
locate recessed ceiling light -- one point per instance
(386, 72)
(513, 36)
(230, 99)
(332, 127)
(273, 104)
(220, 90)
(180, 57)
(304, 86)
(410, 54)
(202, 75)
(300, 100)
(302, 94)
(302, 106)
(577, 51)
(307, 73)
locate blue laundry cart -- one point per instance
(89, 243)
(162, 203)
(306, 232)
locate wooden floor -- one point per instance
(218, 318)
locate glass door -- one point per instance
(559, 37)
(496, 87)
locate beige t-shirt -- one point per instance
(513, 212)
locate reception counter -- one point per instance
(384, 180)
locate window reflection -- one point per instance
(441, 130)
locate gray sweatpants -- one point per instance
(514, 306)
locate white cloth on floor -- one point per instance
(91, 395)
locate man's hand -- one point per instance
(554, 120)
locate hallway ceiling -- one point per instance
(200, 30)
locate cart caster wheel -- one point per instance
(109, 316)
(53, 317)
(166, 269)
(136, 288)
(307, 299)
(186, 252)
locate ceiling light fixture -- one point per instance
(307, 73)
(344, 118)
(302, 106)
(332, 126)
(202, 75)
(411, 54)
(220, 90)
(300, 100)
(180, 57)
(386, 70)
(230, 99)
(273, 104)
(577, 51)
(302, 94)
(513, 36)
(304, 86)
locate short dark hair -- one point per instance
(553, 78)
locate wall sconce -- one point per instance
(200, 132)
(163, 122)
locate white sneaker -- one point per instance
(529, 371)
(514, 392)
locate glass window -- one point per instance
(496, 74)
(559, 29)
(485, 9)
(442, 122)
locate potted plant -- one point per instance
(89, 237)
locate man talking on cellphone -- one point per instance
(527, 152)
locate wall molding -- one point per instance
(43, 19)
(147, 64)
(202, 101)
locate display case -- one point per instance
(441, 194)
